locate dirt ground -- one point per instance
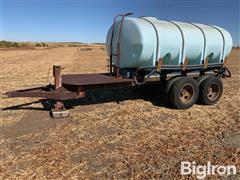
(111, 133)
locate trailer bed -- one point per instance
(73, 86)
(93, 79)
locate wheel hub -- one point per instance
(213, 92)
(186, 93)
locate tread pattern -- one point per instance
(203, 90)
(174, 92)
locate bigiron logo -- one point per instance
(201, 171)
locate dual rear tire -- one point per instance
(184, 92)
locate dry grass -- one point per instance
(118, 138)
(32, 68)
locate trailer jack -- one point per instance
(59, 111)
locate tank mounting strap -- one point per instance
(204, 38)
(183, 42)
(157, 37)
(223, 49)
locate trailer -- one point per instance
(67, 87)
(185, 83)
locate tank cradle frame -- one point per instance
(167, 72)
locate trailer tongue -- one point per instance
(68, 87)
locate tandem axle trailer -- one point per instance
(186, 83)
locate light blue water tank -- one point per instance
(146, 39)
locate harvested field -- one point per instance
(111, 133)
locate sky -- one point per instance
(89, 21)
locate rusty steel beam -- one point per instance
(185, 63)
(58, 106)
(159, 64)
(205, 65)
(57, 76)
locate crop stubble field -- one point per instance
(111, 133)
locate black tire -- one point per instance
(201, 78)
(183, 93)
(210, 91)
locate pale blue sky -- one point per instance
(89, 21)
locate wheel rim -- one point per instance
(213, 92)
(186, 93)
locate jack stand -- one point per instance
(59, 111)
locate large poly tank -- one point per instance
(146, 39)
